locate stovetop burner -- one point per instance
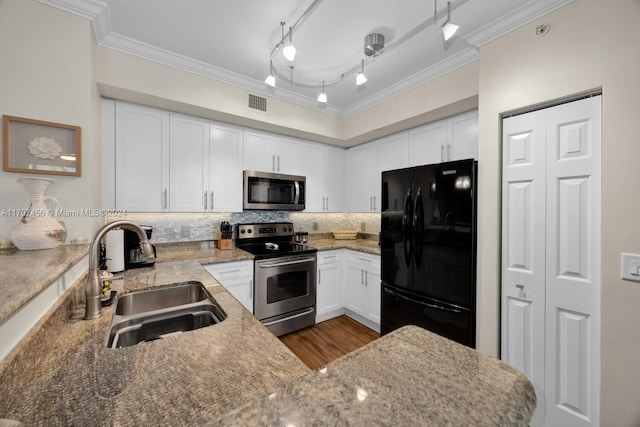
(270, 240)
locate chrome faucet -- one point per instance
(93, 286)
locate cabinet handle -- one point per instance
(211, 199)
(327, 204)
(370, 203)
(164, 199)
(251, 288)
(449, 151)
(366, 278)
(374, 203)
(278, 162)
(323, 203)
(205, 200)
(362, 277)
(273, 163)
(442, 152)
(319, 276)
(520, 286)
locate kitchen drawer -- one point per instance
(230, 270)
(363, 260)
(329, 257)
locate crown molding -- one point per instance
(97, 12)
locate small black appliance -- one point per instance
(132, 254)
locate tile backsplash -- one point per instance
(184, 227)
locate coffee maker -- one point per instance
(132, 253)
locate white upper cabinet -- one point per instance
(323, 167)
(267, 152)
(172, 162)
(225, 172)
(361, 172)
(393, 152)
(189, 169)
(455, 138)
(141, 158)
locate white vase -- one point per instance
(38, 229)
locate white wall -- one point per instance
(46, 74)
(591, 44)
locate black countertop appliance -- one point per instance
(428, 247)
(132, 249)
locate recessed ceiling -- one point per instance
(231, 41)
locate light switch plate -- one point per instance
(630, 267)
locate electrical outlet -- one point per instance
(630, 267)
(363, 226)
(314, 226)
(185, 232)
(170, 233)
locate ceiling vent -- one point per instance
(257, 103)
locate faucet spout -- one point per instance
(93, 287)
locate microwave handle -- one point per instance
(296, 197)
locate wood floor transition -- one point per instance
(326, 341)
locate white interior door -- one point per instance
(573, 264)
(523, 248)
(551, 258)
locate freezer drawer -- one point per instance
(400, 308)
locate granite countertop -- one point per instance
(65, 375)
(408, 377)
(23, 274)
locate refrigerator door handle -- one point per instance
(407, 241)
(418, 228)
(426, 304)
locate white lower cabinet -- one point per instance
(362, 287)
(349, 283)
(329, 301)
(237, 278)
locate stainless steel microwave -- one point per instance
(273, 191)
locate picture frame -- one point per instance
(36, 146)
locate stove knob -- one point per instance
(242, 231)
(249, 231)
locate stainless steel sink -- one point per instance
(158, 299)
(161, 313)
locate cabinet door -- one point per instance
(372, 282)
(288, 157)
(225, 176)
(314, 169)
(393, 152)
(462, 136)
(334, 178)
(361, 167)
(427, 144)
(189, 169)
(355, 290)
(258, 152)
(329, 290)
(142, 158)
(237, 278)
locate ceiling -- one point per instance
(232, 41)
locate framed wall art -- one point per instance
(36, 146)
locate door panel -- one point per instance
(573, 263)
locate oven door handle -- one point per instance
(279, 264)
(304, 313)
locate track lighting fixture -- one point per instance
(271, 79)
(374, 46)
(289, 50)
(360, 77)
(449, 28)
(323, 96)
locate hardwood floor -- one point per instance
(327, 341)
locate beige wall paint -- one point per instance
(591, 45)
(46, 71)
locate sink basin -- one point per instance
(161, 313)
(158, 299)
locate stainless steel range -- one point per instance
(284, 276)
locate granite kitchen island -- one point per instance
(238, 373)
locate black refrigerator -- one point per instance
(428, 248)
